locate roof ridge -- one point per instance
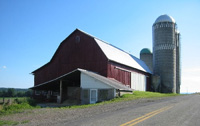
(103, 41)
(92, 36)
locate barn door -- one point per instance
(93, 96)
(138, 81)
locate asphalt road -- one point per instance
(173, 111)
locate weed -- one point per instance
(25, 121)
(3, 122)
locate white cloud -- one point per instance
(4, 67)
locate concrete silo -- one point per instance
(166, 59)
(178, 70)
(147, 56)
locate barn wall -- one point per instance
(123, 74)
(76, 51)
(120, 75)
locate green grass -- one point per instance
(1, 107)
(126, 97)
(143, 94)
(3, 122)
(17, 106)
(6, 122)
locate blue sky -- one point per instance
(31, 31)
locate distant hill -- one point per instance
(16, 89)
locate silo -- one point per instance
(164, 52)
(178, 70)
(147, 56)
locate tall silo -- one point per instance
(164, 52)
(178, 70)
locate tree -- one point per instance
(20, 94)
(4, 94)
(28, 93)
(11, 92)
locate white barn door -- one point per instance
(138, 81)
(93, 96)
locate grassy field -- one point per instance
(17, 105)
(7, 99)
(146, 94)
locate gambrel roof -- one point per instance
(115, 54)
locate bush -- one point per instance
(31, 102)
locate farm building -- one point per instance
(88, 69)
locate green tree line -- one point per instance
(11, 92)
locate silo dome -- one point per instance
(165, 18)
(145, 51)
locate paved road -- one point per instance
(173, 111)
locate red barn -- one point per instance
(89, 70)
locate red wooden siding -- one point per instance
(124, 76)
(71, 55)
(120, 75)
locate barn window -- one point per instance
(77, 39)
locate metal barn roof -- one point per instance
(117, 55)
(109, 81)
